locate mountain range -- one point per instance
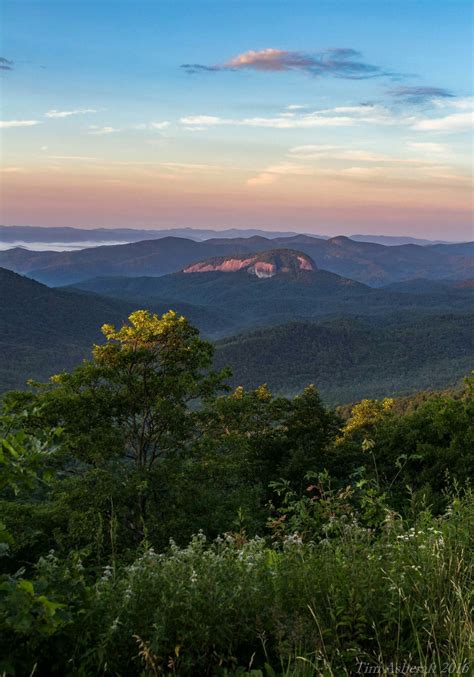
(66, 235)
(272, 307)
(373, 264)
(43, 331)
(292, 292)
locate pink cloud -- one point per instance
(339, 62)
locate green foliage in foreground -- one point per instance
(321, 544)
(317, 607)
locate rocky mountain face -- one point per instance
(264, 264)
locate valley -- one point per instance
(276, 316)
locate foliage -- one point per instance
(334, 601)
(153, 524)
(307, 606)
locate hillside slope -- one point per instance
(241, 299)
(148, 257)
(244, 301)
(43, 330)
(349, 358)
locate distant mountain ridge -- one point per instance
(394, 240)
(67, 234)
(373, 264)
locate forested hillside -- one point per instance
(353, 341)
(244, 301)
(352, 358)
(43, 330)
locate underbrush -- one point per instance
(356, 599)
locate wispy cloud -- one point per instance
(455, 122)
(12, 170)
(153, 126)
(191, 166)
(419, 95)
(460, 103)
(339, 62)
(338, 153)
(18, 123)
(68, 113)
(96, 130)
(203, 120)
(101, 131)
(387, 174)
(429, 147)
(279, 122)
(73, 157)
(341, 116)
(323, 151)
(263, 179)
(289, 168)
(274, 172)
(5, 64)
(458, 118)
(159, 125)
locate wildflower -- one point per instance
(107, 574)
(115, 625)
(294, 539)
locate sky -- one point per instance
(328, 116)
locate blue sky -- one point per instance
(274, 125)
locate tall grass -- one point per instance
(360, 601)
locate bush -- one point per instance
(304, 607)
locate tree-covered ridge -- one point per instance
(244, 301)
(366, 262)
(155, 521)
(351, 357)
(423, 340)
(43, 330)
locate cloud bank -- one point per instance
(456, 122)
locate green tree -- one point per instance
(130, 408)
(275, 437)
(144, 379)
(424, 450)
